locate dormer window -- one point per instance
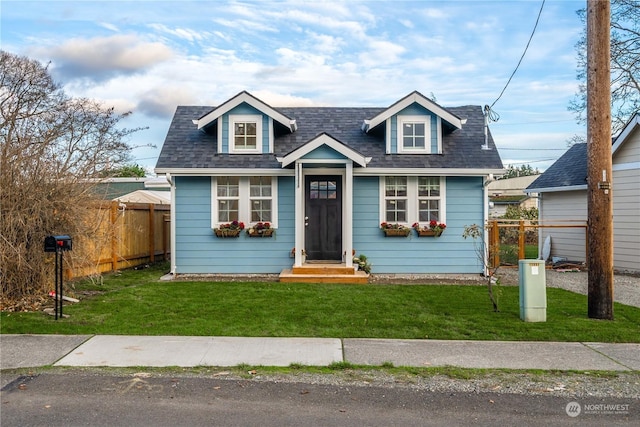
(245, 134)
(414, 134)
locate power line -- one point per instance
(535, 123)
(532, 161)
(532, 149)
(522, 57)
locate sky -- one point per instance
(148, 57)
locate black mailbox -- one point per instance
(56, 243)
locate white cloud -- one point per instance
(109, 26)
(325, 43)
(181, 33)
(407, 23)
(283, 100)
(162, 101)
(435, 13)
(246, 25)
(103, 57)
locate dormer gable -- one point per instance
(245, 125)
(414, 125)
(245, 97)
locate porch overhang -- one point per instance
(324, 139)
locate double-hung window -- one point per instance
(228, 199)
(243, 198)
(245, 134)
(428, 199)
(395, 199)
(410, 199)
(414, 134)
(260, 198)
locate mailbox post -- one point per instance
(58, 245)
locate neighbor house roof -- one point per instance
(187, 148)
(569, 172)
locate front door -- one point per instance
(323, 218)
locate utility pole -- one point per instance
(599, 162)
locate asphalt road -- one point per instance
(78, 398)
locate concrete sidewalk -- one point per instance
(20, 351)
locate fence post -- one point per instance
(494, 244)
(114, 240)
(152, 234)
(521, 240)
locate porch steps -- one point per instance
(323, 273)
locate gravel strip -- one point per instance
(626, 288)
(622, 385)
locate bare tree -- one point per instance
(51, 147)
(487, 257)
(625, 65)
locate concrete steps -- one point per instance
(323, 273)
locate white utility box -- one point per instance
(533, 290)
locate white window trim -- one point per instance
(244, 118)
(244, 204)
(400, 121)
(412, 201)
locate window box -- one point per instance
(231, 229)
(225, 232)
(434, 229)
(252, 232)
(428, 233)
(394, 230)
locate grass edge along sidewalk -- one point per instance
(135, 302)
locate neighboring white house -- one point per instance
(510, 192)
(562, 196)
(146, 196)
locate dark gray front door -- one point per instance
(323, 212)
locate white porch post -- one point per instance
(347, 228)
(299, 214)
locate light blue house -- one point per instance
(325, 179)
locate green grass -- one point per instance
(136, 303)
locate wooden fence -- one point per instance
(510, 232)
(124, 235)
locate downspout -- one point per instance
(172, 223)
(485, 219)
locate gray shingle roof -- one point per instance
(187, 147)
(569, 170)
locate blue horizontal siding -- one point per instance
(199, 251)
(449, 253)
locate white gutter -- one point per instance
(426, 171)
(555, 189)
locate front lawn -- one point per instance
(136, 303)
